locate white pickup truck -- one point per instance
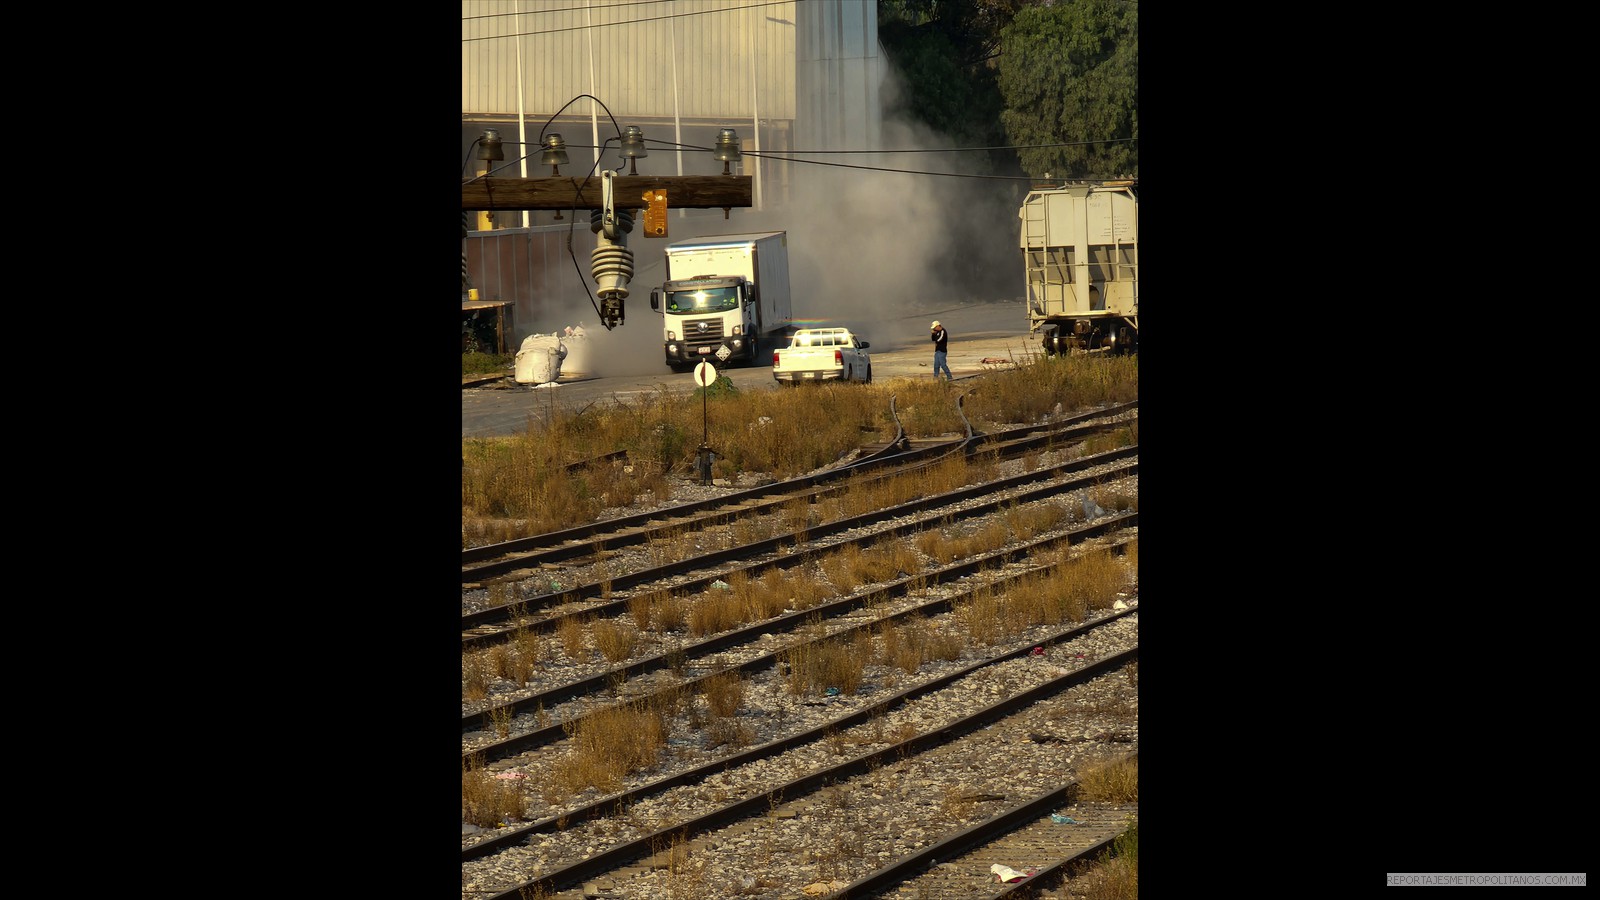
(822, 354)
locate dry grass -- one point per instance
(684, 877)
(814, 667)
(672, 613)
(843, 568)
(1110, 782)
(522, 485)
(724, 693)
(715, 611)
(527, 650)
(729, 733)
(774, 595)
(609, 744)
(797, 516)
(1026, 522)
(957, 803)
(500, 721)
(476, 676)
(984, 616)
(1070, 584)
(802, 590)
(639, 609)
(909, 644)
(570, 630)
(487, 801)
(670, 546)
(616, 641)
(1116, 877)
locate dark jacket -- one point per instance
(940, 337)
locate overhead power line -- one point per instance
(671, 147)
(703, 12)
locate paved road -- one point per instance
(900, 349)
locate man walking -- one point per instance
(940, 360)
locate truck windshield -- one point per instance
(703, 300)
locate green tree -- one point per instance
(944, 52)
(1069, 73)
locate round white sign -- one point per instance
(705, 374)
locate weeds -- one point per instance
(616, 641)
(486, 801)
(520, 486)
(500, 721)
(1112, 782)
(1117, 876)
(609, 744)
(724, 692)
(475, 677)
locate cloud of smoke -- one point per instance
(877, 251)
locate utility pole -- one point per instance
(561, 192)
(612, 199)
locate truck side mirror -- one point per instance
(865, 345)
(655, 299)
(754, 293)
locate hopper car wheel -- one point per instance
(1127, 340)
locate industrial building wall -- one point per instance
(698, 59)
(797, 75)
(839, 70)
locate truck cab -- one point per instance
(708, 318)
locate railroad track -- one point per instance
(711, 806)
(976, 752)
(1038, 842)
(481, 564)
(695, 573)
(720, 653)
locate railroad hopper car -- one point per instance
(1080, 250)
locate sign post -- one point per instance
(705, 375)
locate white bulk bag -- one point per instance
(539, 360)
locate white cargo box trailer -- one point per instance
(726, 298)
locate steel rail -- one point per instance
(969, 839)
(505, 612)
(778, 560)
(615, 857)
(557, 539)
(557, 730)
(614, 804)
(724, 509)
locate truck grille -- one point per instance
(694, 337)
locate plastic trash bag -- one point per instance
(1007, 875)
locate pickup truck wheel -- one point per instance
(868, 379)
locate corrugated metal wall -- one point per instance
(695, 58)
(794, 74)
(839, 71)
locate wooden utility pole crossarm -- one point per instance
(561, 192)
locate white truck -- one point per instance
(726, 298)
(822, 354)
